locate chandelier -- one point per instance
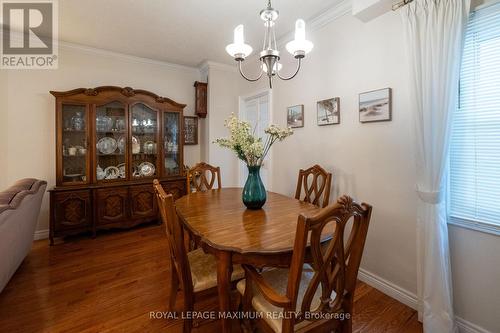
(270, 56)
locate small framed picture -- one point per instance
(190, 130)
(328, 111)
(295, 116)
(375, 106)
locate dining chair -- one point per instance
(316, 296)
(315, 188)
(202, 177)
(194, 272)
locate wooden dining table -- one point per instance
(221, 224)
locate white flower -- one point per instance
(247, 147)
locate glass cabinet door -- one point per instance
(74, 143)
(144, 141)
(111, 141)
(171, 139)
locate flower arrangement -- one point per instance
(246, 145)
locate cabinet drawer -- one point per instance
(112, 205)
(72, 210)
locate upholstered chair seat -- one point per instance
(204, 270)
(278, 280)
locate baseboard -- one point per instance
(41, 234)
(465, 326)
(404, 296)
(410, 299)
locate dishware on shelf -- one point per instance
(135, 123)
(104, 123)
(120, 124)
(100, 173)
(107, 145)
(121, 170)
(150, 147)
(111, 172)
(136, 145)
(77, 122)
(80, 150)
(146, 169)
(72, 151)
(170, 163)
(121, 144)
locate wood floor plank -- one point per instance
(112, 283)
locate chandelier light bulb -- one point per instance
(239, 50)
(239, 35)
(300, 30)
(276, 68)
(299, 47)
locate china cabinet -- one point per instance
(111, 143)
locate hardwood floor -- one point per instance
(113, 282)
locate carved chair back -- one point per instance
(316, 183)
(175, 237)
(334, 264)
(202, 177)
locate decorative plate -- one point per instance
(121, 170)
(107, 145)
(146, 169)
(111, 172)
(136, 145)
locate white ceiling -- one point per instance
(185, 32)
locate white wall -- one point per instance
(374, 162)
(224, 87)
(371, 162)
(30, 111)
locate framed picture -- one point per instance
(295, 116)
(190, 130)
(375, 105)
(328, 111)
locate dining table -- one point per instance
(220, 223)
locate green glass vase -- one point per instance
(254, 193)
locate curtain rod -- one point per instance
(400, 4)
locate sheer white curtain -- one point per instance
(434, 32)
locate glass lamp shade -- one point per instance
(299, 44)
(239, 50)
(276, 68)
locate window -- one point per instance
(475, 139)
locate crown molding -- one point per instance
(124, 56)
(321, 20)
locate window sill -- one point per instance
(488, 228)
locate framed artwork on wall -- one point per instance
(295, 116)
(375, 105)
(190, 130)
(328, 111)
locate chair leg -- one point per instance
(174, 288)
(246, 305)
(346, 326)
(188, 309)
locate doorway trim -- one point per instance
(241, 104)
